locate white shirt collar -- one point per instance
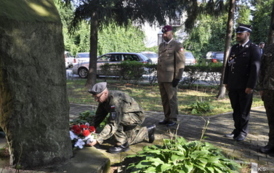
(243, 45)
(168, 41)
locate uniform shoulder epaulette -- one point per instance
(177, 42)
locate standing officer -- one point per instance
(240, 78)
(261, 46)
(266, 87)
(124, 121)
(171, 63)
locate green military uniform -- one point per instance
(266, 84)
(171, 63)
(125, 126)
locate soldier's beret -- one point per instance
(98, 88)
(243, 28)
(167, 28)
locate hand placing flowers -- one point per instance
(82, 134)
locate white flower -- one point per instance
(80, 143)
(89, 138)
(72, 135)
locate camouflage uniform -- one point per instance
(171, 63)
(125, 126)
(266, 84)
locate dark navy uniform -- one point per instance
(241, 72)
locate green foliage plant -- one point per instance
(84, 117)
(200, 107)
(180, 156)
(131, 70)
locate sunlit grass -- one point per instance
(148, 96)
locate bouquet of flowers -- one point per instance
(82, 134)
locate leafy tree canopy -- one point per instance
(261, 20)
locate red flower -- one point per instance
(74, 127)
(86, 132)
(91, 128)
(78, 131)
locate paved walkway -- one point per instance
(190, 127)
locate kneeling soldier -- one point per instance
(124, 122)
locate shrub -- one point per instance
(131, 70)
(200, 107)
(177, 155)
(202, 72)
(128, 70)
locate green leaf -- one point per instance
(187, 167)
(150, 170)
(165, 167)
(209, 169)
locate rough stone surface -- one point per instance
(34, 109)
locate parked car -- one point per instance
(215, 57)
(190, 60)
(81, 57)
(152, 56)
(112, 58)
(69, 59)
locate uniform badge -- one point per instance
(113, 115)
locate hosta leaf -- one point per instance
(143, 164)
(213, 159)
(155, 161)
(150, 170)
(218, 170)
(187, 168)
(209, 169)
(176, 157)
(181, 140)
(199, 165)
(164, 167)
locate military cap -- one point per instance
(98, 88)
(243, 28)
(167, 28)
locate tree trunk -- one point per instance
(271, 33)
(229, 32)
(93, 51)
(34, 108)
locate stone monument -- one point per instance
(34, 108)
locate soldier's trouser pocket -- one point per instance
(132, 119)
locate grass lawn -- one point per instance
(149, 98)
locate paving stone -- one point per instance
(190, 127)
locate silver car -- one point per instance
(111, 58)
(152, 56)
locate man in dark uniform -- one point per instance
(266, 87)
(240, 78)
(124, 122)
(171, 63)
(261, 46)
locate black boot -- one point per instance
(119, 148)
(151, 131)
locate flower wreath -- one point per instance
(82, 134)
